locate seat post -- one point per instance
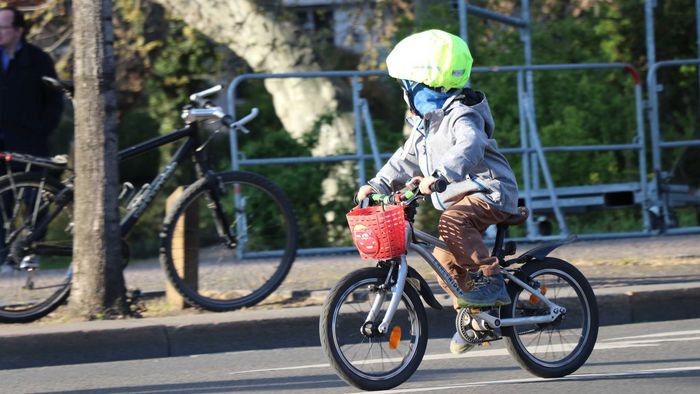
(497, 251)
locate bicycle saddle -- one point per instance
(518, 218)
(62, 86)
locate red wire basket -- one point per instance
(379, 232)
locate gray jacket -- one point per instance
(456, 143)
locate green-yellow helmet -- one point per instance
(435, 58)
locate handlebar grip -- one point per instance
(227, 121)
(439, 185)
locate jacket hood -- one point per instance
(476, 101)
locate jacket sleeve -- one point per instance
(52, 100)
(470, 142)
(401, 167)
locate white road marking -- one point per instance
(659, 334)
(503, 352)
(576, 377)
(281, 369)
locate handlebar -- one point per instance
(439, 186)
(203, 110)
(228, 120)
(199, 97)
(405, 196)
(197, 114)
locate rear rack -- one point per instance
(58, 162)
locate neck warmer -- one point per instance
(426, 99)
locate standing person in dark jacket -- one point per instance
(29, 110)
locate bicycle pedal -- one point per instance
(29, 263)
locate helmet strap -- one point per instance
(406, 85)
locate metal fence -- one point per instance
(534, 162)
(655, 199)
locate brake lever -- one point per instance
(243, 129)
(208, 140)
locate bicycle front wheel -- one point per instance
(240, 241)
(362, 356)
(555, 349)
(34, 275)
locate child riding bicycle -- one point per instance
(452, 139)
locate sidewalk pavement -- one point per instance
(635, 280)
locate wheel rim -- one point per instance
(371, 357)
(554, 344)
(227, 276)
(38, 277)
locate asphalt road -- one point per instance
(636, 358)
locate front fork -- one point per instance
(396, 294)
(223, 227)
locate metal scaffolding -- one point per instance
(654, 198)
(666, 196)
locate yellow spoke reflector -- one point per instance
(534, 299)
(394, 337)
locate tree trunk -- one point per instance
(98, 282)
(270, 44)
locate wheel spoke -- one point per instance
(369, 361)
(32, 284)
(225, 275)
(559, 347)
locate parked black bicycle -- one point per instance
(241, 231)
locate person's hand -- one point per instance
(364, 192)
(425, 184)
(414, 182)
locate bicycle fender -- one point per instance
(540, 252)
(424, 289)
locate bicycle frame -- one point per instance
(422, 248)
(187, 149)
(145, 197)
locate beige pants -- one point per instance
(461, 226)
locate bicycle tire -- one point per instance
(524, 343)
(32, 292)
(226, 275)
(337, 321)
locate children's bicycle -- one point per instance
(238, 227)
(373, 325)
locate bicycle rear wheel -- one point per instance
(555, 349)
(224, 274)
(34, 276)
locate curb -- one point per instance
(102, 341)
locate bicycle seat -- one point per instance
(62, 86)
(518, 218)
